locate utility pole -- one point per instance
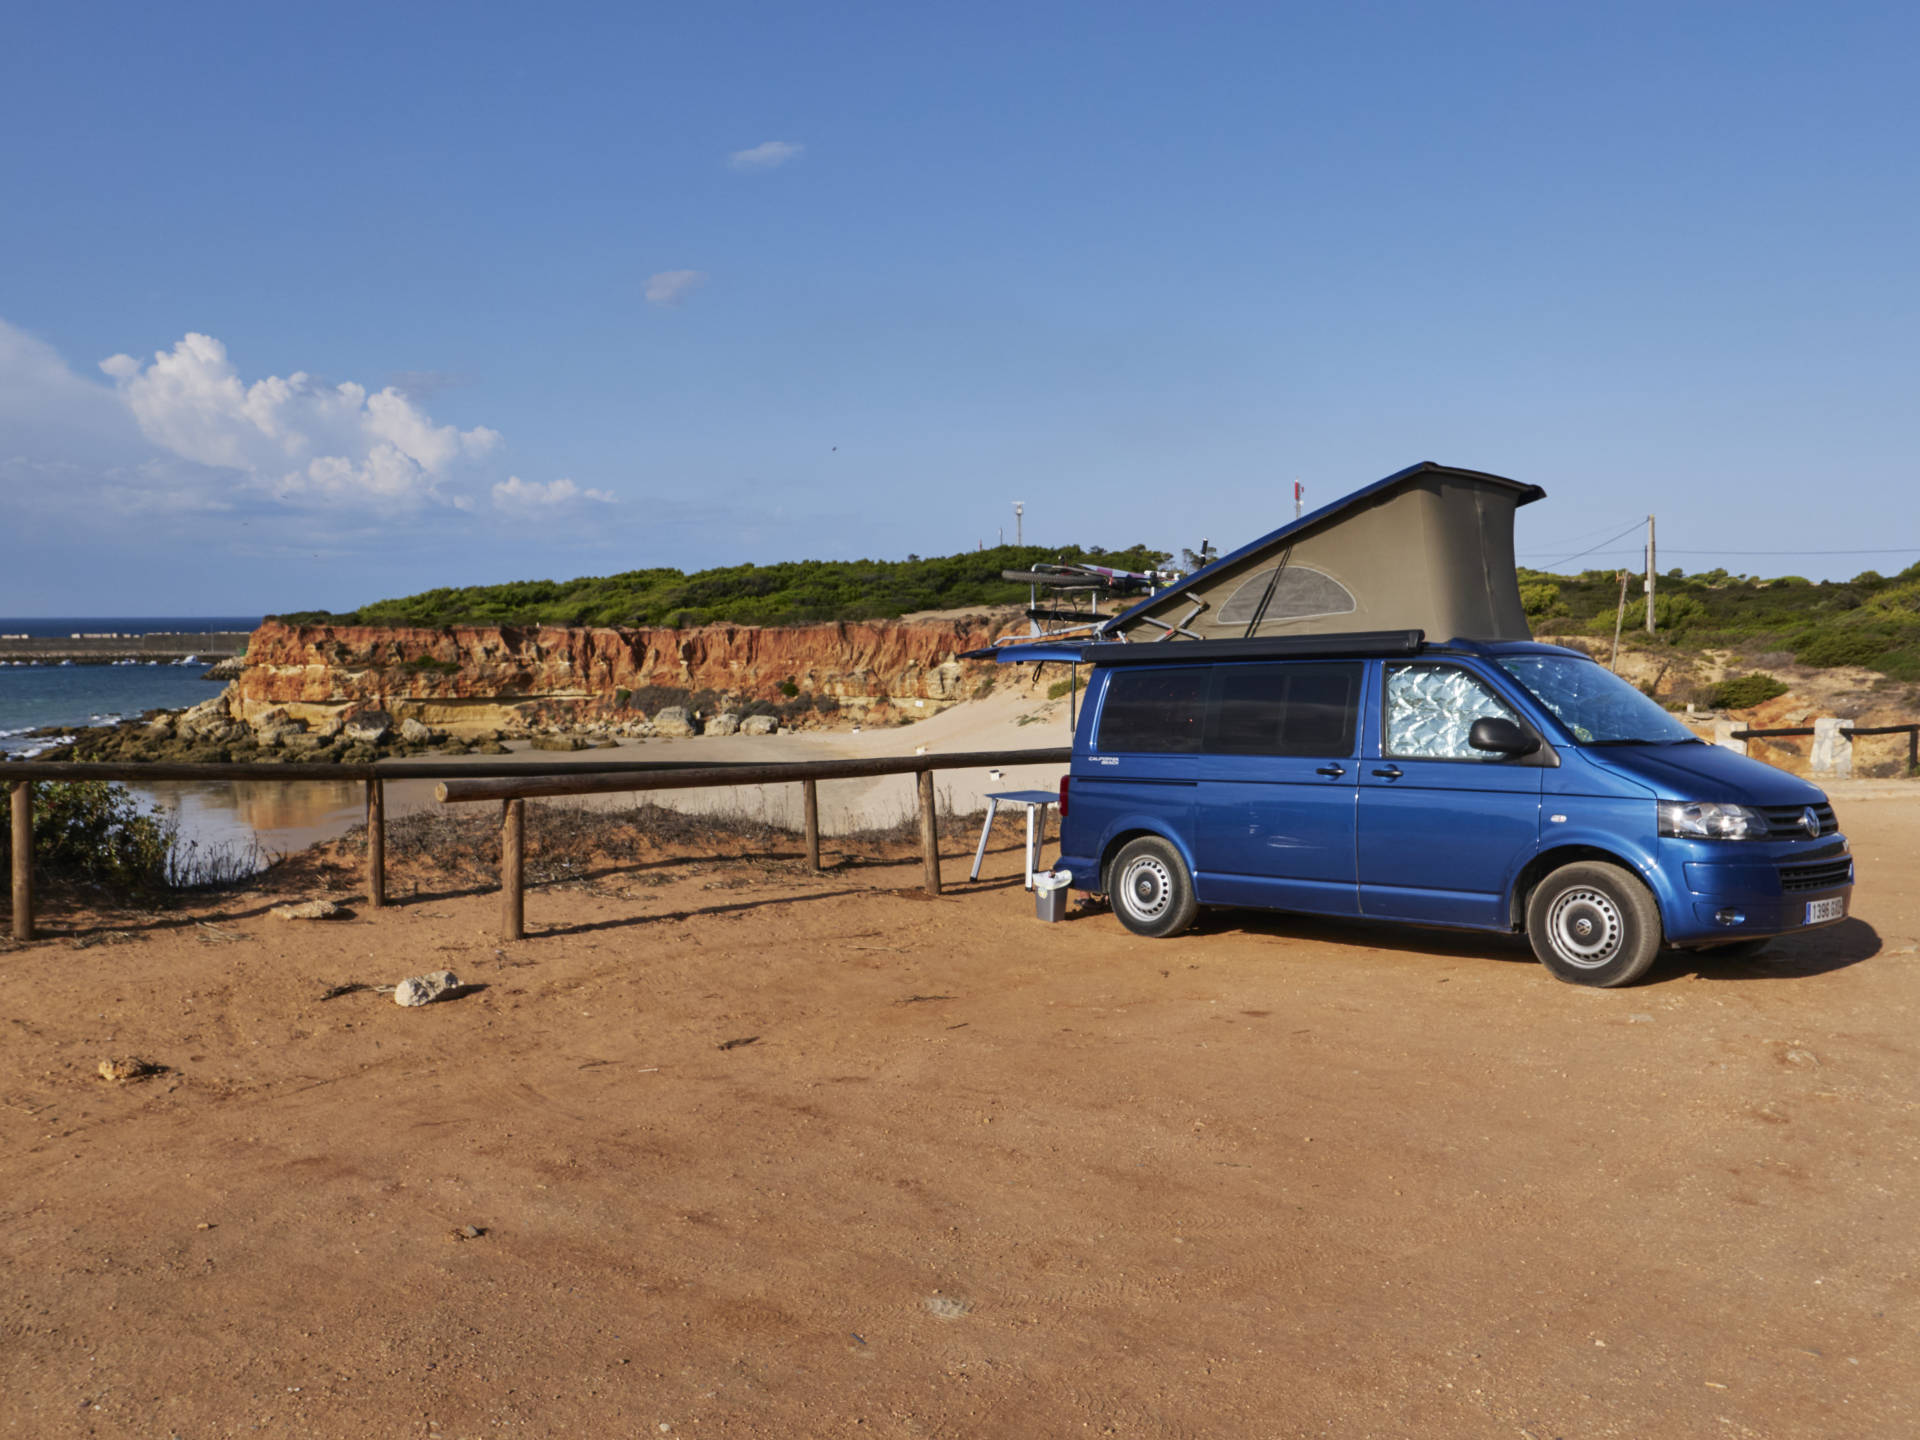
(1019, 509)
(1619, 619)
(1650, 572)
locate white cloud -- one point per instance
(294, 437)
(670, 287)
(513, 493)
(768, 156)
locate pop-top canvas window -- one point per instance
(1154, 711)
(1306, 710)
(1302, 594)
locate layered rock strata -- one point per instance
(471, 680)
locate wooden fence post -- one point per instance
(23, 860)
(513, 834)
(810, 793)
(376, 843)
(929, 834)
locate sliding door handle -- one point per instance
(1389, 772)
(1334, 770)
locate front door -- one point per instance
(1278, 776)
(1443, 828)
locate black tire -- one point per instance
(1592, 923)
(1150, 889)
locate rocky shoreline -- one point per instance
(209, 733)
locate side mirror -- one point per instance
(1501, 736)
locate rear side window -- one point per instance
(1307, 710)
(1154, 711)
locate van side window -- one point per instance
(1307, 710)
(1155, 712)
(1430, 709)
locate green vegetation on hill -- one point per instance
(788, 594)
(1870, 620)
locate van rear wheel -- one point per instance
(1151, 891)
(1592, 923)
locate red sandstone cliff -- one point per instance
(493, 674)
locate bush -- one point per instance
(1060, 688)
(1541, 599)
(1742, 692)
(91, 830)
(1824, 648)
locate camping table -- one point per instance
(1033, 800)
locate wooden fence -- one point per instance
(512, 784)
(514, 792)
(1911, 731)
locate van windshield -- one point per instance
(1595, 704)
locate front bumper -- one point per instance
(1753, 897)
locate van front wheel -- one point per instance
(1151, 891)
(1593, 924)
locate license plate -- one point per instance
(1821, 910)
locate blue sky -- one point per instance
(611, 287)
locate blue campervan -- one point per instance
(1486, 785)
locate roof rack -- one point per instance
(1357, 643)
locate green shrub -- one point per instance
(621, 697)
(791, 593)
(1823, 648)
(789, 689)
(1062, 687)
(1742, 692)
(91, 830)
(1541, 599)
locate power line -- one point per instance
(1672, 550)
(1544, 546)
(1608, 541)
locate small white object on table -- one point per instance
(1033, 801)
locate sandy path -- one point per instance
(974, 1176)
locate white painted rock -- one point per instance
(424, 989)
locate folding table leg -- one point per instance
(980, 854)
(1030, 846)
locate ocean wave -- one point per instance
(27, 752)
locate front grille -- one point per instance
(1825, 875)
(1783, 821)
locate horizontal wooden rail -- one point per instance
(514, 793)
(551, 784)
(1854, 730)
(134, 770)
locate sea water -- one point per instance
(35, 696)
(276, 815)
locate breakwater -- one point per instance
(160, 648)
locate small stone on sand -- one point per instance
(310, 910)
(424, 989)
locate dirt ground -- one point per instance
(729, 1149)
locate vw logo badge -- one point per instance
(1810, 822)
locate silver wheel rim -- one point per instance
(1586, 928)
(1146, 887)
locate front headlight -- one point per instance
(1710, 820)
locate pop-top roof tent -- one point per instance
(1429, 548)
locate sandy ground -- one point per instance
(754, 1152)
